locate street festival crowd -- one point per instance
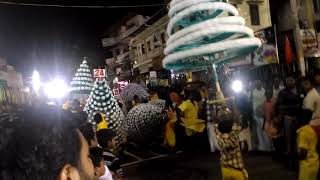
(281, 118)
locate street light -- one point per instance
(36, 83)
(237, 86)
(56, 89)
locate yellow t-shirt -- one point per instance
(307, 139)
(103, 124)
(190, 120)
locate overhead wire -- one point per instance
(81, 6)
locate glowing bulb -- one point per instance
(56, 89)
(36, 83)
(237, 86)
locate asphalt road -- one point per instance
(204, 166)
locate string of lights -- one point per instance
(80, 6)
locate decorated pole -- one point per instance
(206, 33)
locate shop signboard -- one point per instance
(153, 74)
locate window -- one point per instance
(117, 52)
(163, 38)
(254, 14)
(148, 46)
(316, 6)
(143, 49)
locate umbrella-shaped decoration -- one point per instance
(145, 122)
(130, 91)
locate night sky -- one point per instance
(54, 40)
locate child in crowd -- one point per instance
(307, 147)
(98, 162)
(136, 101)
(231, 159)
(100, 121)
(106, 139)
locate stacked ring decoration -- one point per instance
(206, 32)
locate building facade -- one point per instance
(12, 90)
(120, 35)
(255, 12)
(146, 51)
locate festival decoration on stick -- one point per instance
(205, 33)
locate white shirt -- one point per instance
(258, 98)
(312, 102)
(107, 175)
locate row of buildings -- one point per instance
(12, 90)
(135, 45)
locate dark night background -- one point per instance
(54, 40)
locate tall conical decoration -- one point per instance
(82, 82)
(102, 100)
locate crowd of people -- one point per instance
(48, 142)
(285, 121)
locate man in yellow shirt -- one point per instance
(190, 119)
(307, 149)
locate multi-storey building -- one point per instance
(12, 90)
(147, 50)
(255, 12)
(117, 44)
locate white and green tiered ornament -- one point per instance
(205, 32)
(144, 123)
(82, 82)
(102, 100)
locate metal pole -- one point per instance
(297, 37)
(219, 94)
(276, 42)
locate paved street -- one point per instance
(204, 167)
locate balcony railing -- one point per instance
(155, 52)
(123, 57)
(107, 42)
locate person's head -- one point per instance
(97, 118)
(96, 154)
(43, 143)
(89, 134)
(75, 103)
(269, 94)
(316, 78)
(106, 138)
(203, 87)
(226, 123)
(136, 98)
(304, 116)
(307, 84)
(290, 82)
(258, 84)
(276, 82)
